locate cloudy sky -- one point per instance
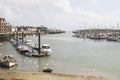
(62, 14)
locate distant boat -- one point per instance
(111, 38)
(8, 61)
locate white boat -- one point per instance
(8, 61)
(22, 48)
(25, 50)
(28, 42)
(45, 50)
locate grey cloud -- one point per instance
(48, 12)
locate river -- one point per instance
(70, 55)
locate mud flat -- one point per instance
(17, 75)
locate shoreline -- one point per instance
(20, 75)
(14, 74)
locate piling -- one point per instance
(22, 37)
(39, 41)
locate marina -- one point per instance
(79, 56)
(98, 34)
(59, 40)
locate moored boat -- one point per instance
(48, 70)
(23, 49)
(46, 49)
(8, 61)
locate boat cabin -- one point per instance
(45, 46)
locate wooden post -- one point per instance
(22, 37)
(9, 35)
(39, 41)
(16, 34)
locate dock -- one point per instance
(98, 34)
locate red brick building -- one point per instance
(4, 26)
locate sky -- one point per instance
(62, 14)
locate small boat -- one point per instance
(23, 49)
(45, 50)
(31, 44)
(48, 70)
(28, 42)
(8, 61)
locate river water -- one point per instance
(71, 55)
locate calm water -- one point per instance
(71, 55)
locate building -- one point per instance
(4, 26)
(32, 29)
(27, 28)
(42, 29)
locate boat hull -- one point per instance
(47, 70)
(8, 64)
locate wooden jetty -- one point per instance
(26, 49)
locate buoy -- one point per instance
(24, 60)
(0, 54)
(54, 64)
(93, 70)
(30, 61)
(11, 55)
(19, 59)
(37, 65)
(46, 64)
(34, 62)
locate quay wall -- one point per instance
(3, 37)
(55, 32)
(8, 35)
(97, 31)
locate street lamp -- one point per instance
(16, 34)
(22, 35)
(13, 35)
